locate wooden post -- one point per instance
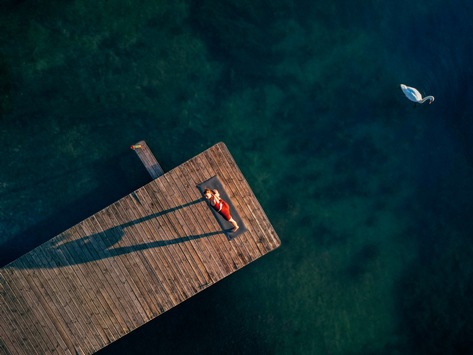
(148, 159)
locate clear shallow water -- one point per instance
(370, 196)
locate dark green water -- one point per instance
(371, 197)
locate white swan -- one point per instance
(414, 95)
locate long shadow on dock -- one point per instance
(97, 246)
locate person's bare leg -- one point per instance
(234, 224)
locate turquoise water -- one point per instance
(370, 196)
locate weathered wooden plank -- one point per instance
(40, 317)
(141, 272)
(92, 299)
(148, 159)
(187, 215)
(55, 328)
(59, 299)
(163, 265)
(145, 233)
(156, 223)
(13, 325)
(7, 336)
(161, 223)
(97, 273)
(3, 347)
(31, 261)
(66, 278)
(72, 265)
(146, 228)
(178, 219)
(119, 278)
(185, 246)
(55, 314)
(184, 280)
(67, 286)
(134, 264)
(169, 221)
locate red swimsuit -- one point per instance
(222, 207)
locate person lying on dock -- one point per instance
(220, 206)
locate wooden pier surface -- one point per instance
(130, 262)
(148, 159)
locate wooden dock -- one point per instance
(148, 159)
(130, 262)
